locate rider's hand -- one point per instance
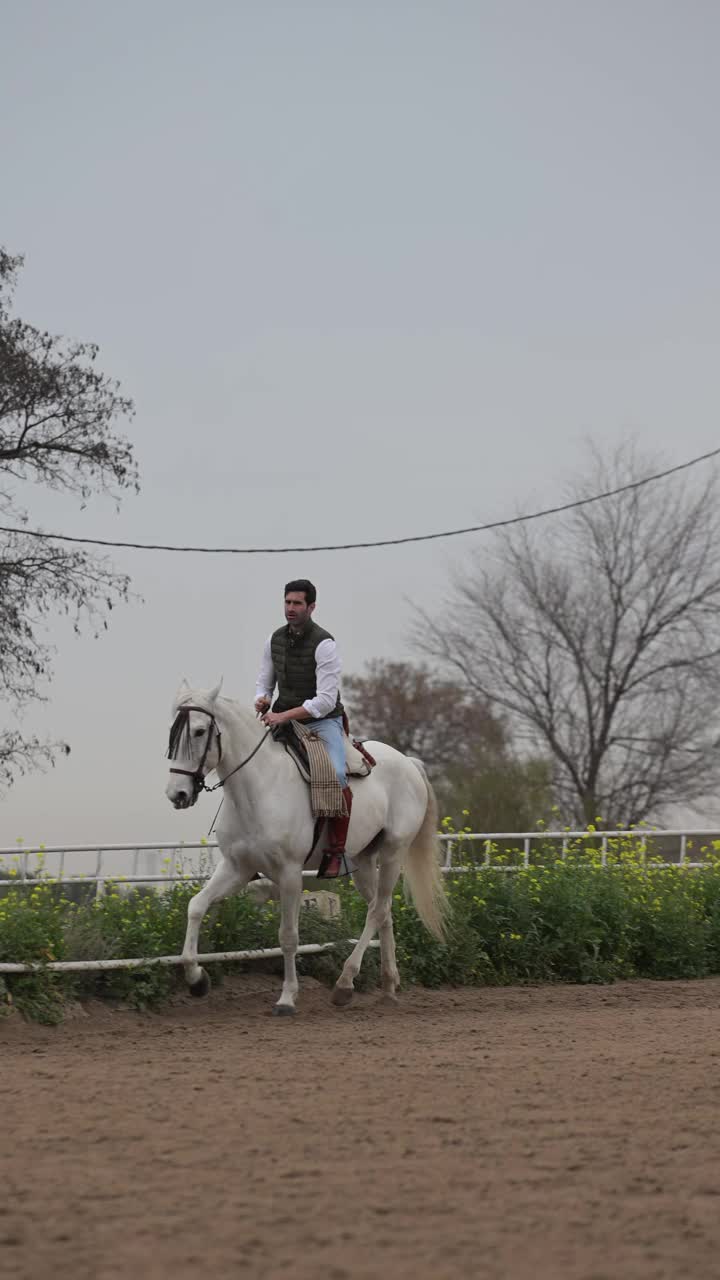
(261, 706)
(273, 717)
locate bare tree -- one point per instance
(598, 634)
(57, 415)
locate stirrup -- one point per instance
(332, 865)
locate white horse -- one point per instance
(267, 826)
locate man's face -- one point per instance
(297, 609)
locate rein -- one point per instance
(238, 767)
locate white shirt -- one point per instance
(328, 666)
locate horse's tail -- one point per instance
(423, 877)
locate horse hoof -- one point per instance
(342, 995)
(201, 987)
(389, 1000)
(284, 1011)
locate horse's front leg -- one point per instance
(290, 884)
(224, 880)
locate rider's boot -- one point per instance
(332, 863)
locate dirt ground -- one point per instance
(537, 1132)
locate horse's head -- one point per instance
(195, 745)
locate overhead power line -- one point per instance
(379, 542)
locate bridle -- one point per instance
(180, 728)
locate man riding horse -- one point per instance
(301, 658)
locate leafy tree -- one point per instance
(57, 428)
(463, 744)
(422, 714)
(509, 794)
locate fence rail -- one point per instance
(147, 962)
(16, 859)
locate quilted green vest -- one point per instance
(293, 658)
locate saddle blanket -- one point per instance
(326, 797)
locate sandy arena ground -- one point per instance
(539, 1132)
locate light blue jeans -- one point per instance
(333, 736)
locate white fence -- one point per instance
(141, 863)
(17, 862)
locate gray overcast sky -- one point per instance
(367, 269)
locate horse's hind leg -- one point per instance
(365, 879)
(388, 876)
(379, 920)
(389, 975)
(225, 879)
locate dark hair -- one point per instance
(302, 584)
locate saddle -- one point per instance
(358, 761)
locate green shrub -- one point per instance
(583, 917)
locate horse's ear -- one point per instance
(183, 688)
(212, 695)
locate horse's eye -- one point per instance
(198, 733)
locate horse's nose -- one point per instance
(181, 799)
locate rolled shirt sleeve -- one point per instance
(328, 668)
(265, 683)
